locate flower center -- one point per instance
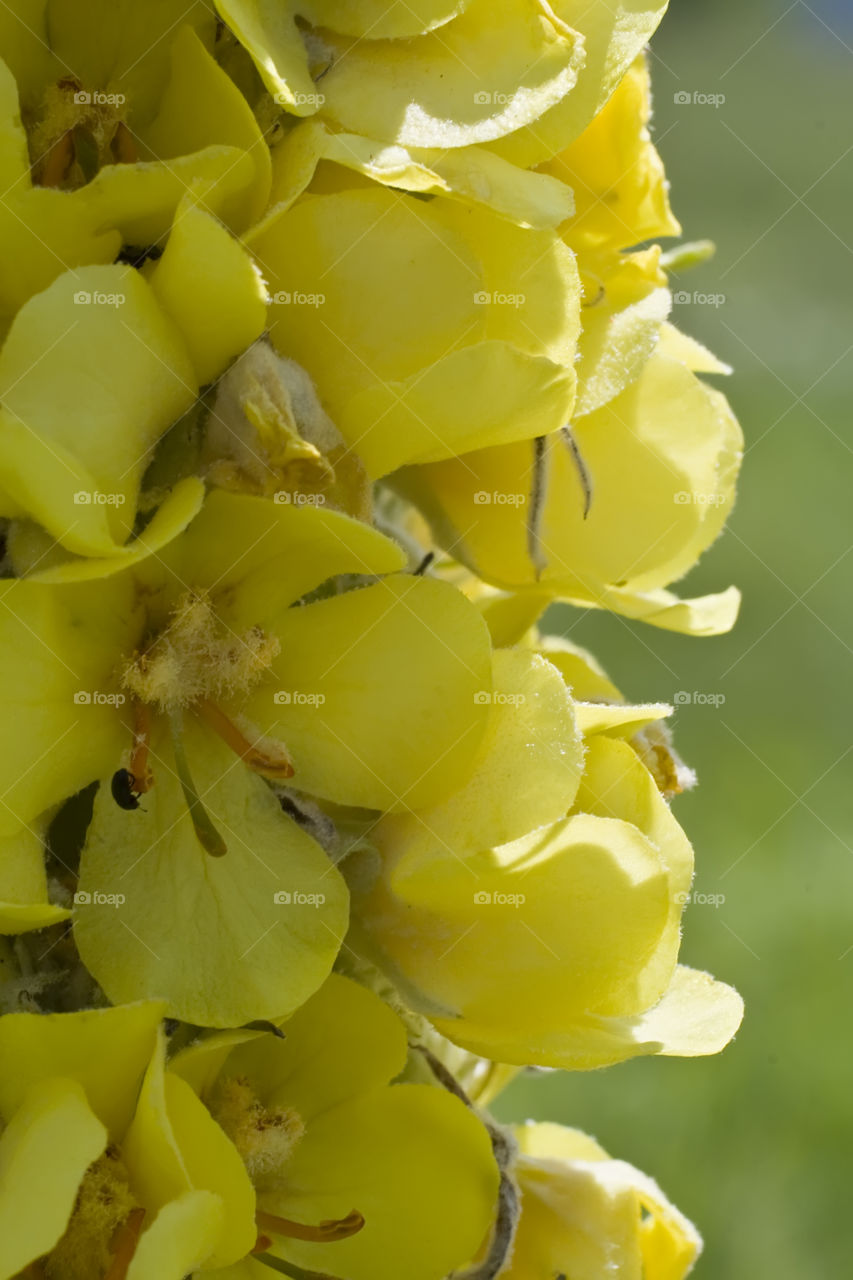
(266, 1138)
(103, 1231)
(193, 664)
(76, 132)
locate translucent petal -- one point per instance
(202, 107)
(179, 1238)
(612, 38)
(248, 954)
(342, 269)
(616, 173)
(210, 287)
(106, 1051)
(260, 556)
(174, 1146)
(23, 884)
(375, 692)
(63, 724)
(496, 68)
(415, 1162)
(522, 940)
(45, 1150)
(96, 339)
(526, 772)
(342, 1043)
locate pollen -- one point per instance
(196, 658)
(266, 1137)
(104, 1203)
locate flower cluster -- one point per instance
(334, 347)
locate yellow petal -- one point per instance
(621, 329)
(496, 68)
(179, 1238)
(45, 1149)
(63, 723)
(616, 173)
(261, 556)
(620, 720)
(121, 48)
(341, 1023)
(678, 346)
(375, 692)
(520, 941)
(473, 175)
(210, 287)
(663, 458)
(104, 1050)
(97, 340)
(23, 885)
(612, 38)
(616, 784)
(268, 916)
(175, 1146)
(526, 772)
(201, 107)
(34, 557)
(387, 371)
(415, 1162)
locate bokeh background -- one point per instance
(757, 1144)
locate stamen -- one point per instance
(58, 162)
(123, 146)
(206, 833)
(265, 756)
(124, 1244)
(143, 779)
(583, 474)
(262, 1244)
(538, 491)
(324, 1233)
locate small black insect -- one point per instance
(122, 787)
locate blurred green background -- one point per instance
(757, 1145)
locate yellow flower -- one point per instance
(520, 77)
(402, 1174)
(485, 354)
(124, 356)
(585, 1215)
(663, 457)
(106, 124)
(167, 670)
(557, 944)
(88, 1113)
